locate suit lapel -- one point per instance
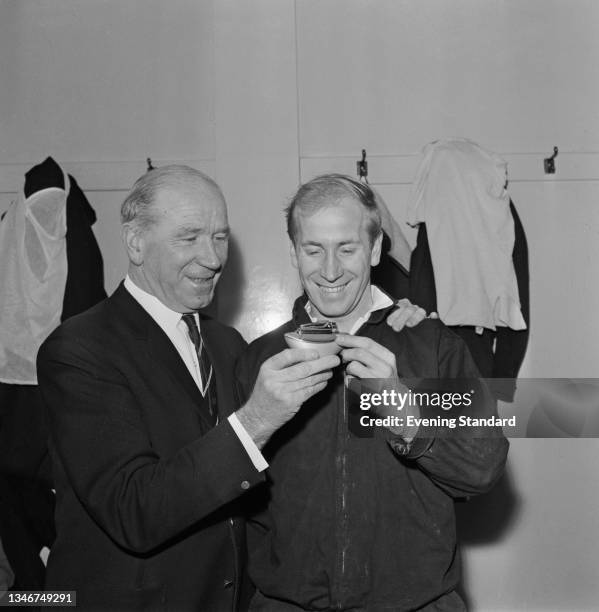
(159, 349)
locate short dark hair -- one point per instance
(327, 190)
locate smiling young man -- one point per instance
(356, 523)
(336, 247)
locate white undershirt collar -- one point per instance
(379, 300)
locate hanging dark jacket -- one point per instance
(85, 275)
(26, 499)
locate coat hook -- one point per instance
(149, 162)
(549, 162)
(362, 168)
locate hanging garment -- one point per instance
(26, 498)
(33, 273)
(459, 193)
(85, 270)
(498, 354)
(390, 275)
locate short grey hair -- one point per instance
(327, 190)
(137, 209)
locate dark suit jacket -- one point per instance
(147, 492)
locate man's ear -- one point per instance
(293, 254)
(375, 254)
(134, 243)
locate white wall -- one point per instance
(391, 75)
(256, 160)
(100, 86)
(264, 94)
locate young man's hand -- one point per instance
(366, 358)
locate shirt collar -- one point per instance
(380, 301)
(165, 317)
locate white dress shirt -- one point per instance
(173, 326)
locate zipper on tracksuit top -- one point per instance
(341, 492)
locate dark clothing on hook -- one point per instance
(26, 498)
(497, 354)
(85, 275)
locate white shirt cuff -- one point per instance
(252, 450)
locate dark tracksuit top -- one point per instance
(351, 524)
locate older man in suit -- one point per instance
(150, 457)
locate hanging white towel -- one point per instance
(459, 192)
(33, 274)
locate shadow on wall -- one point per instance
(485, 519)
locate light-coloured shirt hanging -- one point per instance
(33, 275)
(459, 192)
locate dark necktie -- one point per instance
(203, 360)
